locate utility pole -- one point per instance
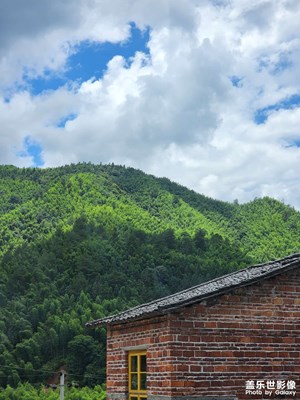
(62, 385)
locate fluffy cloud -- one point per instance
(40, 36)
(186, 110)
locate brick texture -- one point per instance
(214, 347)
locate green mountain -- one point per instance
(83, 241)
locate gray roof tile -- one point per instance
(216, 287)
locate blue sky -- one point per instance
(89, 60)
(261, 114)
(32, 149)
(205, 93)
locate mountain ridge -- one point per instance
(83, 241)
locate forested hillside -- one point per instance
(80, 242)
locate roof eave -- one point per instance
(114, 320)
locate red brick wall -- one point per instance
(251, 334)
(151, 334)
(214, 347)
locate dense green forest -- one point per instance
(83, 241)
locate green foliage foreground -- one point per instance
(28, 392)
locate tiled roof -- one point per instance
(216, 287)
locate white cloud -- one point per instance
(38, 36)
(175, 111)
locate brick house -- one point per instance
(235, 337)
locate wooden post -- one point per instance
(62, 385)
